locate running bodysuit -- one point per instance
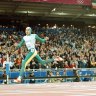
(30, 44)
(30, 41)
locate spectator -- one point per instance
(31, 75)
(51, 80)
(58, 80)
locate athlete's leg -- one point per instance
(27, 60)
(38, 58)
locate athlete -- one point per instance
(30, 40)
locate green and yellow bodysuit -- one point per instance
(30, 41)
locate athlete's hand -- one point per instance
(14, 52)
(15, 44)
(46, 38)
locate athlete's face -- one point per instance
(27, 31)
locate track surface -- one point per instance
(50, 89)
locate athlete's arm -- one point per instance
(20, 44)
(40, 39)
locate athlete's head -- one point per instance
(28, 30)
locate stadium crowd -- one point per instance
(77, 47)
